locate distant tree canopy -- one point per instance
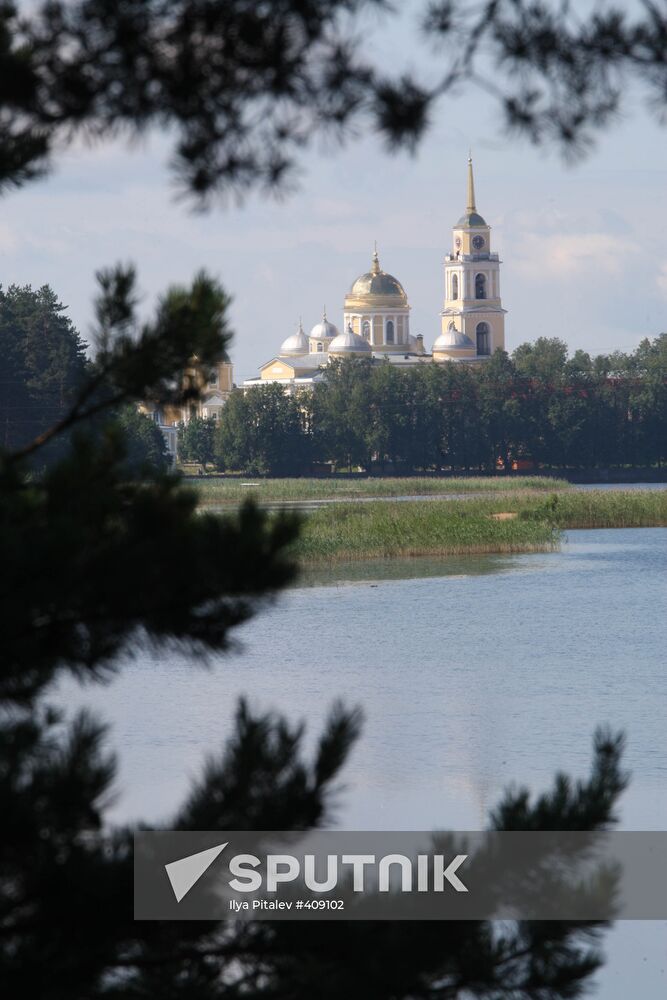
(263, 432)
(145, 446)
(539, 405)
(244, 86)
(196, 440)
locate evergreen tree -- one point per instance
(42, 362)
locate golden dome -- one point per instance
(377, 282)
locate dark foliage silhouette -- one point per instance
(243, 86)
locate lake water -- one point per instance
(473, 673)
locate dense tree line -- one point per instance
(539, 405)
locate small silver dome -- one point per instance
(349, 343)
(296, 344)
(324, 330)
(452, 338)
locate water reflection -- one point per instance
(408, 568)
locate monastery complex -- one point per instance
(376, 315)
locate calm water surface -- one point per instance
(473, 673)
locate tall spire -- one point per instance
(471, 207)
(375, 265)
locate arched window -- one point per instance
(320, 347)
(455, 286)
(480, 286)
(389, 332)
(366, 330)
(483, 339)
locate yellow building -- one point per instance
(376, 315)
(215, 390)
(214, 385)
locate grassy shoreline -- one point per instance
(218, 492)
(349, 532)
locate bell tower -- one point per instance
(472, 283)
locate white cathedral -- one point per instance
(376, 315)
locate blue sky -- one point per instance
(584, 246)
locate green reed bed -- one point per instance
(603, 509)
(419, 528)
(221, 491)
(522, 523)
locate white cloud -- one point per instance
(661, 280)
(568, 254)
(8, 238)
